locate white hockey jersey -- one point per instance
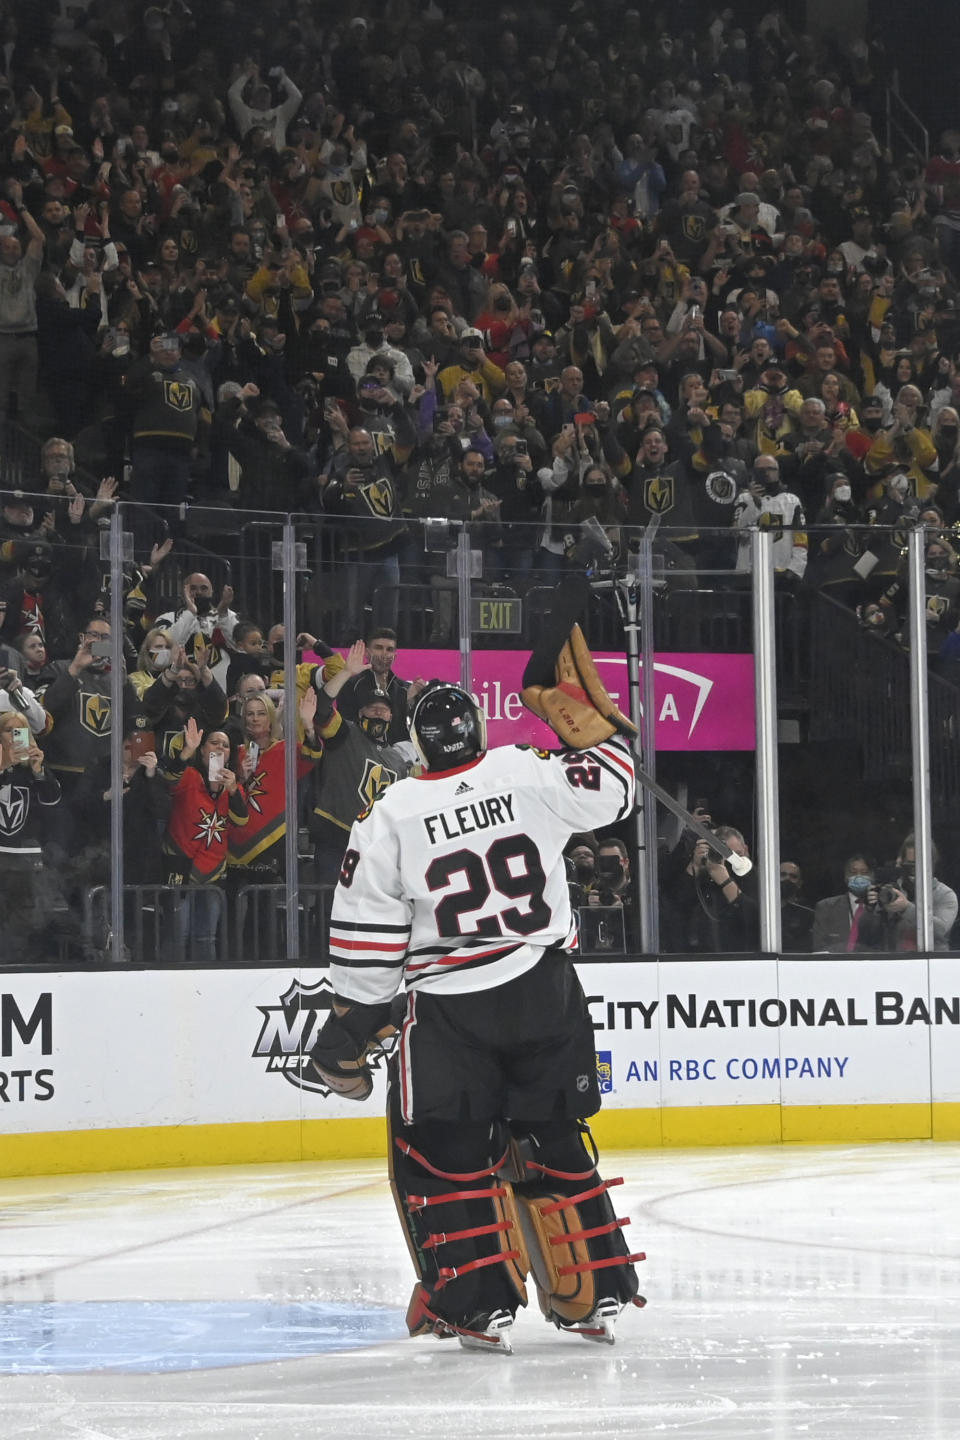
(455, 881)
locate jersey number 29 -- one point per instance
(485, 874)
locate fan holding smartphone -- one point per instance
(207, 802)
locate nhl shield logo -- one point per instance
(289, 1031)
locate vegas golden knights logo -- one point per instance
(178, 394)
(95, 713)
(342, 192)
(693, 227)
(377, 777)
(200, 642)
(379, 497)
(937, 607)
(658, 494)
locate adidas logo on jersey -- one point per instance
(463, 788)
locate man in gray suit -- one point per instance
(836, 920)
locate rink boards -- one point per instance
(122, 1069)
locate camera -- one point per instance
(520, 448)
(611, 868)
(892, 880)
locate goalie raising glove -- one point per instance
(576, 705)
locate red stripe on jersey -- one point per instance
(617, 759)
(363, 945)
(461, 959)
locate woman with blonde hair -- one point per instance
(503, 324)
(257, 852)
(153, 657)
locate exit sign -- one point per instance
(496, 617)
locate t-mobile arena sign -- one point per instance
(703, 702)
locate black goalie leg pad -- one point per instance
(461, 1225)
(578, 1255)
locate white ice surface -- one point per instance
(798, 1293)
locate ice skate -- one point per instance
(598, 1326)
(487, 1332)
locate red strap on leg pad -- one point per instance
(479, 1233)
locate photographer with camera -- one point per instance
(607, 915)
(889, 922)
(513, 481)
(580, 858)
(704, 908)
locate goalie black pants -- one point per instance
(524, 1048)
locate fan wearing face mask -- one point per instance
(154, 656)
(357, 765)
(837, 920)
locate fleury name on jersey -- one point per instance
(468, 819)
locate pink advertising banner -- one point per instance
(703, 702)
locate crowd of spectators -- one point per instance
(402, 264)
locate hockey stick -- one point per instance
(739, 864)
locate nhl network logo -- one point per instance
(289, 1031)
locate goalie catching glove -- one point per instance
(351, 1036)
(577, 707)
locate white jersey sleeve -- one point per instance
(456, 881)
(593, 787)
(370, 920)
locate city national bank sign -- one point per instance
(819, 1031)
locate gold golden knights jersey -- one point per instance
(455, 881)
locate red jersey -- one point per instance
(266, 810)
(195, 844)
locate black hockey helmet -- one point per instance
(447, 726)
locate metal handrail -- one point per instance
(894, 101)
